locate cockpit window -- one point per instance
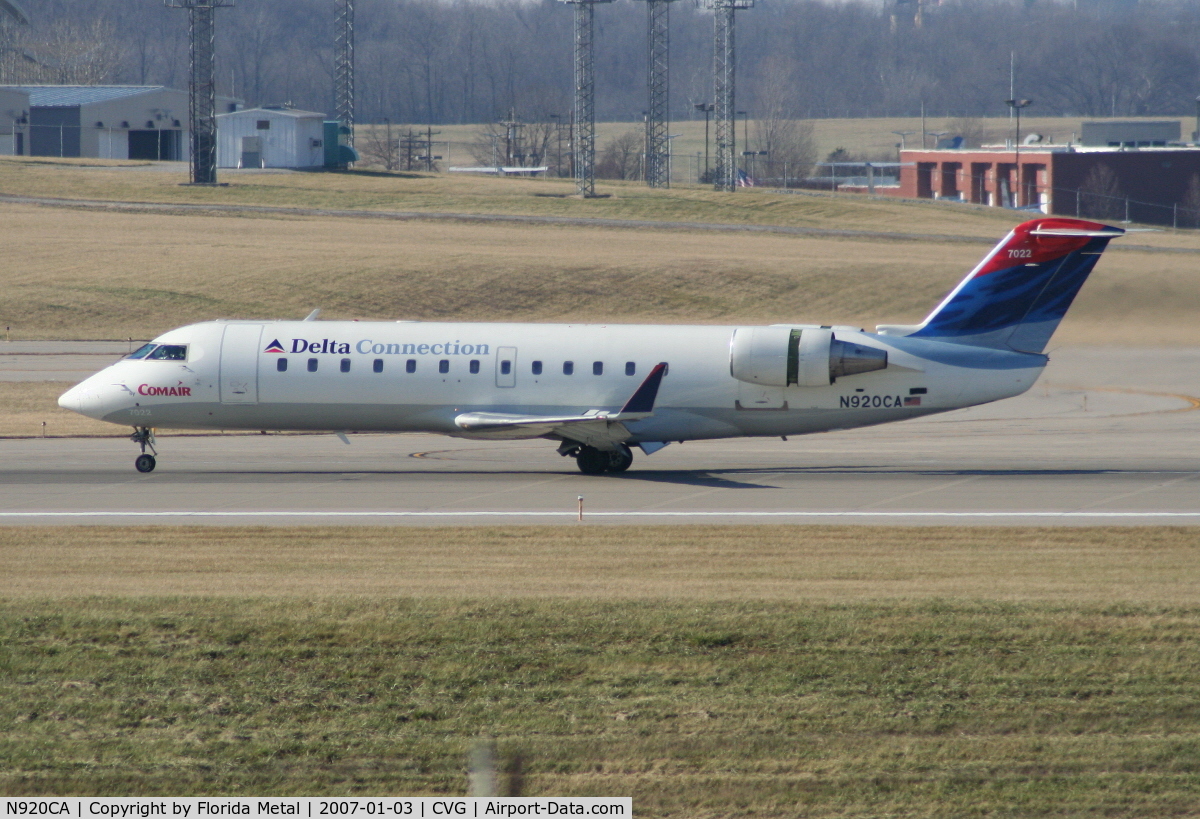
(169, 352)
(142, 352)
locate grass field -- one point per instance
(873, 673)
(872, 137)
(87, 274)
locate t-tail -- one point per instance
(1019, 293)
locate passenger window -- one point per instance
(169, 352)
(630, 368)
(142, 352)
(378, 365)
(568, 368)
(444, 366)
(281, 364)
(312, 365)
(597, 368)
(345, 365)
(505, 367)
(474, 366)
(410, 366)
(537, 368)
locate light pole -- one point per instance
(387, 153)
(707, 108)
(1016, 106)
(745, 127)
(558, 136)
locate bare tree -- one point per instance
(1189, 206)
(622, 157)
(377, 147)
(1101, 196)
(791, 150)
(81, 53)
(969, 128)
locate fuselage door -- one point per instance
(239, 363)
(506, 367)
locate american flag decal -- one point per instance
(912, 401)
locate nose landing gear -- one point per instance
(144, 437)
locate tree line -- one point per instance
(460, 61)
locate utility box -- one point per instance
(338, 153)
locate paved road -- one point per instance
(59, 360)
(1109, 436)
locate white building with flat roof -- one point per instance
(271, 138)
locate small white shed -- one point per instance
(270, 138)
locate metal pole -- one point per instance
(343, 68)
(202, 86)
(585, 88)
(658, 108)
(724, 54)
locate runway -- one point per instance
(1108, 437)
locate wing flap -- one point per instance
(595, 427)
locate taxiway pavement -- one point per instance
(1109, 436)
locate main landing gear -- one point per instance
(144, 436)
(592, 461)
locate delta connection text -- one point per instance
(191, 807)
(366, 346)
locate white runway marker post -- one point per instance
(580, 499)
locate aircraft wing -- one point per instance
(595, 427)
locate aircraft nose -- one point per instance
(71, 400)
(84, 399)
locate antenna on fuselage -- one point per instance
(313, 315)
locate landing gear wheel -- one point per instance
(592, 461)
(620, 459)
(144, 437)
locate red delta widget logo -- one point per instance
(146, 389)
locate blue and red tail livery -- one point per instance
(1019, 293)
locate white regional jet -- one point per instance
(599, 389)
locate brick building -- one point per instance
(1157, 185)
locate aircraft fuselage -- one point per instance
(421, 376)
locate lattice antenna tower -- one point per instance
(724, 63)
(343, 67)
(202, 85)
(658, 48)
(585, 102)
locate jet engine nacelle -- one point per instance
(810, 357)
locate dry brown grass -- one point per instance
(87, 274)
(26, 405)
(859, 136)
(850, 564)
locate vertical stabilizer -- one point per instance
(1019, 293)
